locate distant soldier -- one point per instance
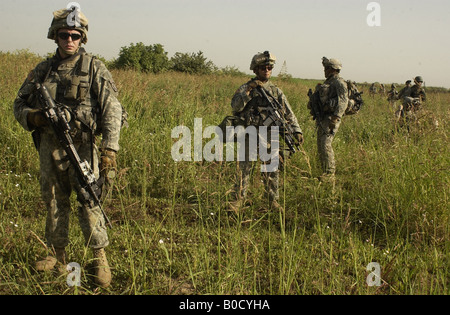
(373, 90)
(405, 90)
(253, 108)
(333, 101)
(412, 99)
(382, 89)
(84, 90)
(392, 95)
(418, 91)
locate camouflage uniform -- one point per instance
(334, 95)
(252, 108)
(403, 91)
(86, 90)
(412, 98)
(373, 89)
(392, 94)
(417, 91)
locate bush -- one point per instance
(231, 71)
(139, 57)
(194, 63)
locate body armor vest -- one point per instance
(69, 83)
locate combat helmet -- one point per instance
(333, 63)
(71, 18)
(263, 59)
(418, 79)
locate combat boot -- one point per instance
(49, 262)
(102, 270)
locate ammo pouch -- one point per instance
(324, 90)
(320, 101)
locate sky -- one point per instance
(412, 37)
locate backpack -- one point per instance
(318, 107)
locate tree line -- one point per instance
(154, 59)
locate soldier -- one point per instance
(373, 90)
(412, 98)
(334, 97)
(248, 104)
(382, 89)
(417, 91)
(85, 90)
(392, 94)
(403, 91)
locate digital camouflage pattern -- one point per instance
(60, 21)
(333, 63)
(252, 108)
(263, 59)
(417, 91)
(334, 95)
(412, 98)
(86, 90)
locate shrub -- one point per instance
(144, 58)
(194, 63)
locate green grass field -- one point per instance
(173, 235)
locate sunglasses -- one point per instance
(65, 36)
(270, 68)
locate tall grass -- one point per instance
(173, 234)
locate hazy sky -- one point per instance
(413, 38)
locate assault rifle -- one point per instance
(276, 118)
(88, 187)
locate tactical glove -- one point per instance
(299, 138)
(36, 119)
(253, 84)
(108, 164)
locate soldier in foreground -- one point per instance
(251, 103)
(332, 103)
(85, 94)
